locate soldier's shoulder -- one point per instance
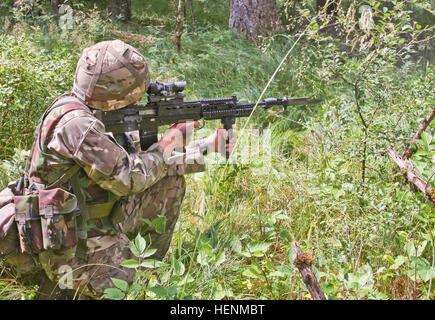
(67, 121)
(67, 112)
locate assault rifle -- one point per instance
(166, 105)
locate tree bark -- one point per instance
(302, 261)
(191, 11)
(120, 9)
(253, 18)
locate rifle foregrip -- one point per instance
(228, 125)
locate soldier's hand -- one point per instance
(178, 135)
(218, 138)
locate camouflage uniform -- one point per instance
(109, 75)
(144, 184)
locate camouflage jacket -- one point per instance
(71, 135)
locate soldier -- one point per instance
(114, 189)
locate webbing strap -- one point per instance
(36, 136)
(82, 232)
(98, 69)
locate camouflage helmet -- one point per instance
(111, 75)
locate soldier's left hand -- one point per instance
(219, 137)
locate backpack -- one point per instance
(36, 217)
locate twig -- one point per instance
(424, 124)
(423, 40)
(359, 254)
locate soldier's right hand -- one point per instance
(178, 135)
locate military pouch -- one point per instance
(46, 220)
(28, 223)
(58, 210)
(9, 243)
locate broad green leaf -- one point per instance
(236, 245)
(246, 254)
(220, 258)
(363, 279)
(205, 254)
(398, 262)
(258, 248)
(188, 278)
(202, 258)
(151, 263)
(218, 293)
(285, 270)
(159, 224)
(134, 288)
(159, 291)
(121, 284)
(426, 272)
(178, 267)
(426, 138)
(148, 253)
(134, 249)
(412, 274)
(414, 251)
(130, 263)
(290, 256)
(252, 272)
(221, 293)
(420, 263)
(140, 243)
(114, 294)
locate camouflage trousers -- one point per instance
(105, 254)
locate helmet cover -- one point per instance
(111, 75)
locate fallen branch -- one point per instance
(424, 124)
(412, 176)
(127, 37)
(302, 261)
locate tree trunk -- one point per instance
(120, 9)
(191, 10)
(179, 27)
(331, 6)
(253, 18)
(55, 4)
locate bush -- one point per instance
(30, 80)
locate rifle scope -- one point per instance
(166, 88)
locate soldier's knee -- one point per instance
(176, 181)
(175, 186)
